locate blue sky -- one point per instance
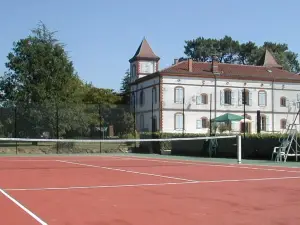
(102, 35)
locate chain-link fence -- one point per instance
(71, 121)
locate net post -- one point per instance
(15, 127)
(239, 148)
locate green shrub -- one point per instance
(253, 146)
(65, 145)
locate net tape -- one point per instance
(115, 140)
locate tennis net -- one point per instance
(214, 146)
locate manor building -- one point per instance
(185, 96)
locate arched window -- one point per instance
(154, 95)
(154, 124)
(227, 96)
(178, 121)
(263, 122)
(204, 122)
(262, 98)
(283, 101)
(133, 70)
(142, 98)
(178, 95)
(245, 97)
(246, 127)
(283, 124)
(204, 99)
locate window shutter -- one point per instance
(232, 98)
(287, 103)
(176, 95)
(181, 121)
(240, 97)
(176, 121)
(267, 123)
(222, 97)
(179, 94)
(199, 124)
(198, 100)
(250, 98)
(298, 97)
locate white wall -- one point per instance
(195, 86)
(146, 107)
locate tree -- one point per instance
(41, 83)
(105, 107)
(125, 85)
(231, 51)
(125, 88)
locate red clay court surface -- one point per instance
(145, 191)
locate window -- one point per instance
(154, 124)
(142, 97)
(283, 101)
(133, 71)
(179, 95)
(178, 121)
(202, 123)
(202, 99)
(227, 97)
(262, 98)
(141, 121)
(283, 124)
(263, 123)
(246, 127)
(154, 95)
(245, 97)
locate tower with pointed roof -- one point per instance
(144, 61)
(268, 60)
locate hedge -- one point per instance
(254, 146)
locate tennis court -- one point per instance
(131, 189)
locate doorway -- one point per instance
(246, 127)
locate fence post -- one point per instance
(57, 128)
(100, 127)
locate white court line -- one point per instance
(23, 207)
(151, 184)
(210, 164)
(126, 171)
(99, 186)
(28, 160)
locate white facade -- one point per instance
(272, 99)
(144, 108)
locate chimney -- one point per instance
(175, 61)
(190, 65)
(215, 65)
